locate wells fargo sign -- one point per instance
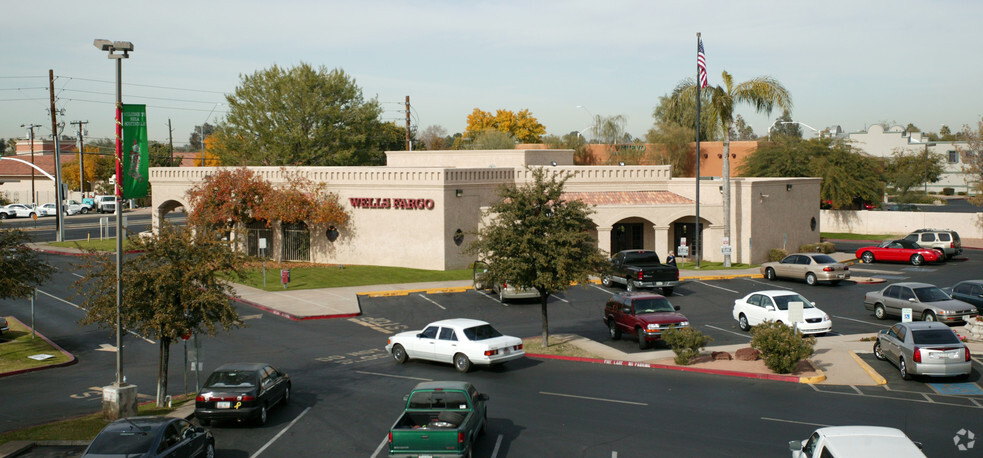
(386, 202)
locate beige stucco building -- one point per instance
(422, 207)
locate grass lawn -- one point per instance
(93, 244)
(307, 276)
(83, 428)
(845, 236)
(16, 345)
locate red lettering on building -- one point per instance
(388, 202)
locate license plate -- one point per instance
(426, 456)
(222, 405)
(505, 351)
(952, 354)
(839, 276)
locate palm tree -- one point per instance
(764, 93)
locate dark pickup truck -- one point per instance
(638, 269)
(440, 419)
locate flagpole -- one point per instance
(696, 236)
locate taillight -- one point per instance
(967, 354)
(517, 347)
(505, 285)
(952, 244)
(640, 274)
(918, 355)
(827, 269)
(246, 398)
(390, 437)
(199, 398)
(460, 437)
(491, 352)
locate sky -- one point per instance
(851, 64)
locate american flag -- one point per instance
(701, 64)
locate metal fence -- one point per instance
(296, 245)
(252, 242)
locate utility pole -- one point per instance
(170, 141)
(30, 128)
(408, 123)
(59, 198)
(81, 146)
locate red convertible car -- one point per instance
(899, 250)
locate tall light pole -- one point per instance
(118, 50)
(30, 129)
(592, 120)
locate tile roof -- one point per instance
(45, 162)
(629, 198)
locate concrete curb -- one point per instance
(869, 370)
(616, 362)
(72, 359)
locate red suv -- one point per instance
(645, 315)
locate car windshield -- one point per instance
(783, 301)
(653, 305)
(641, 258)
(931, 294)
(438, 400)
(934, 336)
(485, 331)
(823, 259)
(227, 379)
(135, 442)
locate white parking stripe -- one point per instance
(254, 455)
(712, 286)
(431, 301)
(725, 330)
(554, 296)
(862, 321)
(593, 399)
(395, 376)
(84, 310)
(498, 444)
(770, 284)
(385, 440)
(795, 422)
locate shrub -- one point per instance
(781, 347)
(777, 254)
(686, 343)
(821, 247)
(948, 191)
(961, 193)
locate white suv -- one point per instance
(105, 204)
(944, 240)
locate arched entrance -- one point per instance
(631, 234)
(685, 228)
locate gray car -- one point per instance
(923, 349)
(969, 291)
(927, 302)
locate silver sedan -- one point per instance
(927, 302)
(923, 348)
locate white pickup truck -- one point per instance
(104, 204)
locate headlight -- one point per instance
(825, 317)
(653, 327)
(684, 323)
(944, 312)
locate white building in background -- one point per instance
(421, 209)
(878, 142)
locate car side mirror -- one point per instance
(911, 299)
(676, 307)
(882, 331)
(795, 446)
(626, 310)
(419, 336)
(770, 308)
(482, 397)
(406, 397)
(813, 303)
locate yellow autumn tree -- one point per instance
(97, 167)
(522, 125)
(210, 159)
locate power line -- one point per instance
(145, 85)
(139, 96)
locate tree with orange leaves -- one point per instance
(522, 125)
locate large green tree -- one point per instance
(536, 238)
(674, 110)
(764, 93)
(673, 142)
(23, 268)
(175, 286)
(784, 126)
(300, 116)
(907, 169)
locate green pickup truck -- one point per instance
(441, 419)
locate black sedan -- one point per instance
(151, 437)
(242, 391)
(970, 291)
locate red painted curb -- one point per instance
(615, 362)
(71, 361)
(291, 316)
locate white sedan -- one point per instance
(49, 209)
(460, 341)
(20, 211)
(761, 306)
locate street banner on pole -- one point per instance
(136, 160)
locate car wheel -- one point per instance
(878, 352)
(261, 419)
(811, 279)
(630, 285)
(399, 354)
(642, 344)
(770, 274)
(743, 324)
(210, 450)
(614, 330)
(917, 259)
(904, 370)
(606, 280)
(867, 257)
(667, 291)
(286, 395)
(879, 312)
(928, 316)
(462, 363)
(84, 211)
